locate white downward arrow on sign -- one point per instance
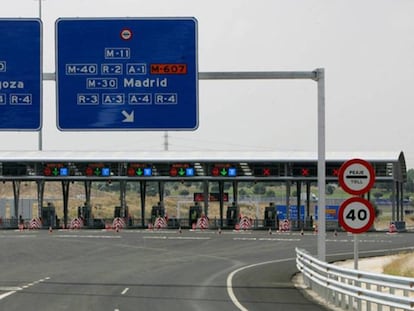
(129, 117)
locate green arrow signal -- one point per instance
(97, 171)
(181, 172)
(223, 172)
(140, 172)
(55, 171)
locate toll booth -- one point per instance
(117, 211)
(231, 215)
(49, 215)
(84, 212)
(194, 214)
(270, 217)
(157, 211)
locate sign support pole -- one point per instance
(321, 166)
(40, 130)
(356, 251)
(319, 76)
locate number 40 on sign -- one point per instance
(356, 215)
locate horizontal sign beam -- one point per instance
(238, 75)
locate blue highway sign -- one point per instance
(127, 74)
(20, 74)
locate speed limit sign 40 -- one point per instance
(356, 215)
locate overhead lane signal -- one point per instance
(55, 170)
(305, 170)
(98, 170)
(139, 170)
(224, 170)
(265, 171)
(181, 170)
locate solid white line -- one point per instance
(125, 291)
(6, 294)
(229, 282)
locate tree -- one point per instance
(259, 189)
(409, 186)
(329, 190)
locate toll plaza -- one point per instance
(296, 171)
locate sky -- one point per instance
(365, 46)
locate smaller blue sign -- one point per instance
(331, 212)
(106, 171)
(63, 171)
(293, 212)
(232, 172)
(147, 171)
(20, 74)
(189, 171)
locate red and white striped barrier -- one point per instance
(35, 224)
(245, 223)
(118, 224)
(160, 223)
(76, 223)
(392, 229)
(202, 223)
(284, 225)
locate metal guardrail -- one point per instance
(351, 289)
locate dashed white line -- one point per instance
(176, 238)
(125, 291)
(12, 290)
(9, 288)
(89, 236)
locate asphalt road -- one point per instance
(164, 270)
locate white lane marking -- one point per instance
(6, 294)
(176, 238)
(89, 236)
(13, 290)
(229, 282)
(125, 291)
(10, 288)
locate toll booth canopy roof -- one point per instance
(392, 163)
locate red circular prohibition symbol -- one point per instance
(356, 215)
(346, 183)
(126, 34)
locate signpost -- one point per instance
(356, 215)
(127, 74)
(20, 74)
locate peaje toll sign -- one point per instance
(356, 176)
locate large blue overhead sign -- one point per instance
(127, 74)
(20, 74)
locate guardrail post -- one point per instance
(392, 292)
(368, 307)
(379, 289)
